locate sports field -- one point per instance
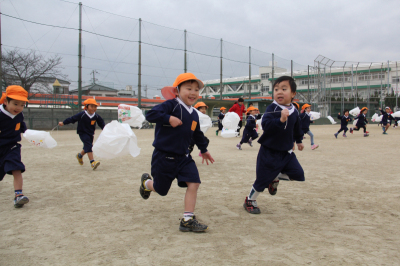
(346, 213)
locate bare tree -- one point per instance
(27, 69)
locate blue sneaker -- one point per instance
(20, 200)
(336, 135)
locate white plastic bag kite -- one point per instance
(355, 122)
(378, 119)
(130, 115)
(374, 117)
(231, 120)
(115, 140)
(228, 133)
(314, 115)
(205, 121)
(396, 114)
(258, 122)
(40, 138)
(355, 111)
(331, 119)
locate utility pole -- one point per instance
(185, 63)
(94, 77)
(272, 80)
(80, 59)
(140, 65)
(249, 72)
(308, 82)
(220, 75)
(145, 91)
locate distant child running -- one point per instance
(11, 126)
(87, 120)
(221, 117)
(361, 122)
(305, 123)
(177, 123)
(386, 119)
(249, 132)
(238, 108)
(202, 108)
(282, 128)
(344, 121)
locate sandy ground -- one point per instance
(346, 213)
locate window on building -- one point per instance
(264, 88)
(255, 87)
(264, 75)
(395, 79)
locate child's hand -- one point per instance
(338, 113)
(284, 115)
(207, 156)
(294, 146)
(60, 124)
(300, 146)
(174, 121)
(380, 109)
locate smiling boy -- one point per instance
(282, 128)
(177, 123)
(11, 126)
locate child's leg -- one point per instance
(191, 196)
(90, 155)
(311, 136)
(83, 153)
(18, 181)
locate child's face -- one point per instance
(365, 112)
(223, 111)
(308, 109)
(14, 107)
(253, 112)
(91, 108)
(387, 110)
(203, 109)
(240, 103)
(283, 94)
(346, 114)
(189, 92)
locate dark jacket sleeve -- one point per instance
(340, 117)
(73, 118)
(200, 139)
(270, 123)
(297, 132)
(100, 122)
(160, 113)
(23, 127)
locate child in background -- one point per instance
(87, 120)
(249, 132)
(281, 127)
(202, 108)
(238, 108)
(11, 126)
(305, 123)
(176, 125)
(361, 122)
(386, 119)
(344, 120)
(220, 118)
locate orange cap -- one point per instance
(16, 92)
(3, 97)
(251, 108)
(297, 105)
(185, 77)
(200, 104)
(305, 106)
(362, 109)
(222, 108)
(90, 101)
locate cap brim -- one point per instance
(169, 92)
(18, 98)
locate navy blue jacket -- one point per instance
(86, 125)
(221, 117)
(277, 135)
(344, 120)
(386, 117)
(305, 122)
(11, 129)
(362, 120)
(176, 140)
(250, 123)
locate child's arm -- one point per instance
(100, 122)
(298, 134)
(270, 122)
(23, 127)
(71, 119)
(339, 116)
(199, 139)
(161, 114)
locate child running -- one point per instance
(11, 126)
(176, 124)
(361, 122)
(281, 126)
(202, 108)
(87, 120)
(386, 119)
(221, 117)
(344, 120)
(305, 123)
(249, 132)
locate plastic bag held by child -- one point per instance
(314, 115)
(116, 140)
(40, 138)
(355, 111)
(331, 119)
(231, 121)
(130, 115)
(396, 114)
(205, 121)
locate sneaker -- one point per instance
(251, 206)
(250, 142)
(384, 133)
(192, 225)
(313, 147)
(273, 187)
(335, 135)
(239, 146)
(80, 160)
(344, 135)
(20, 200)
(216, 132)
(95, 164)
(366, 134)
(144, 192)
(351, 130)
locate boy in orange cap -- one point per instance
(87, 120)
(11, 126)
(177, 123)
(305, 123)
(362, 121)
(221, 117)
(249, 132)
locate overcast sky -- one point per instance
(365, 31)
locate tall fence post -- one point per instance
(80, 59)
(185, 63)
(249, 72)
(272, 80)
(140, 65)
(220, 75)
